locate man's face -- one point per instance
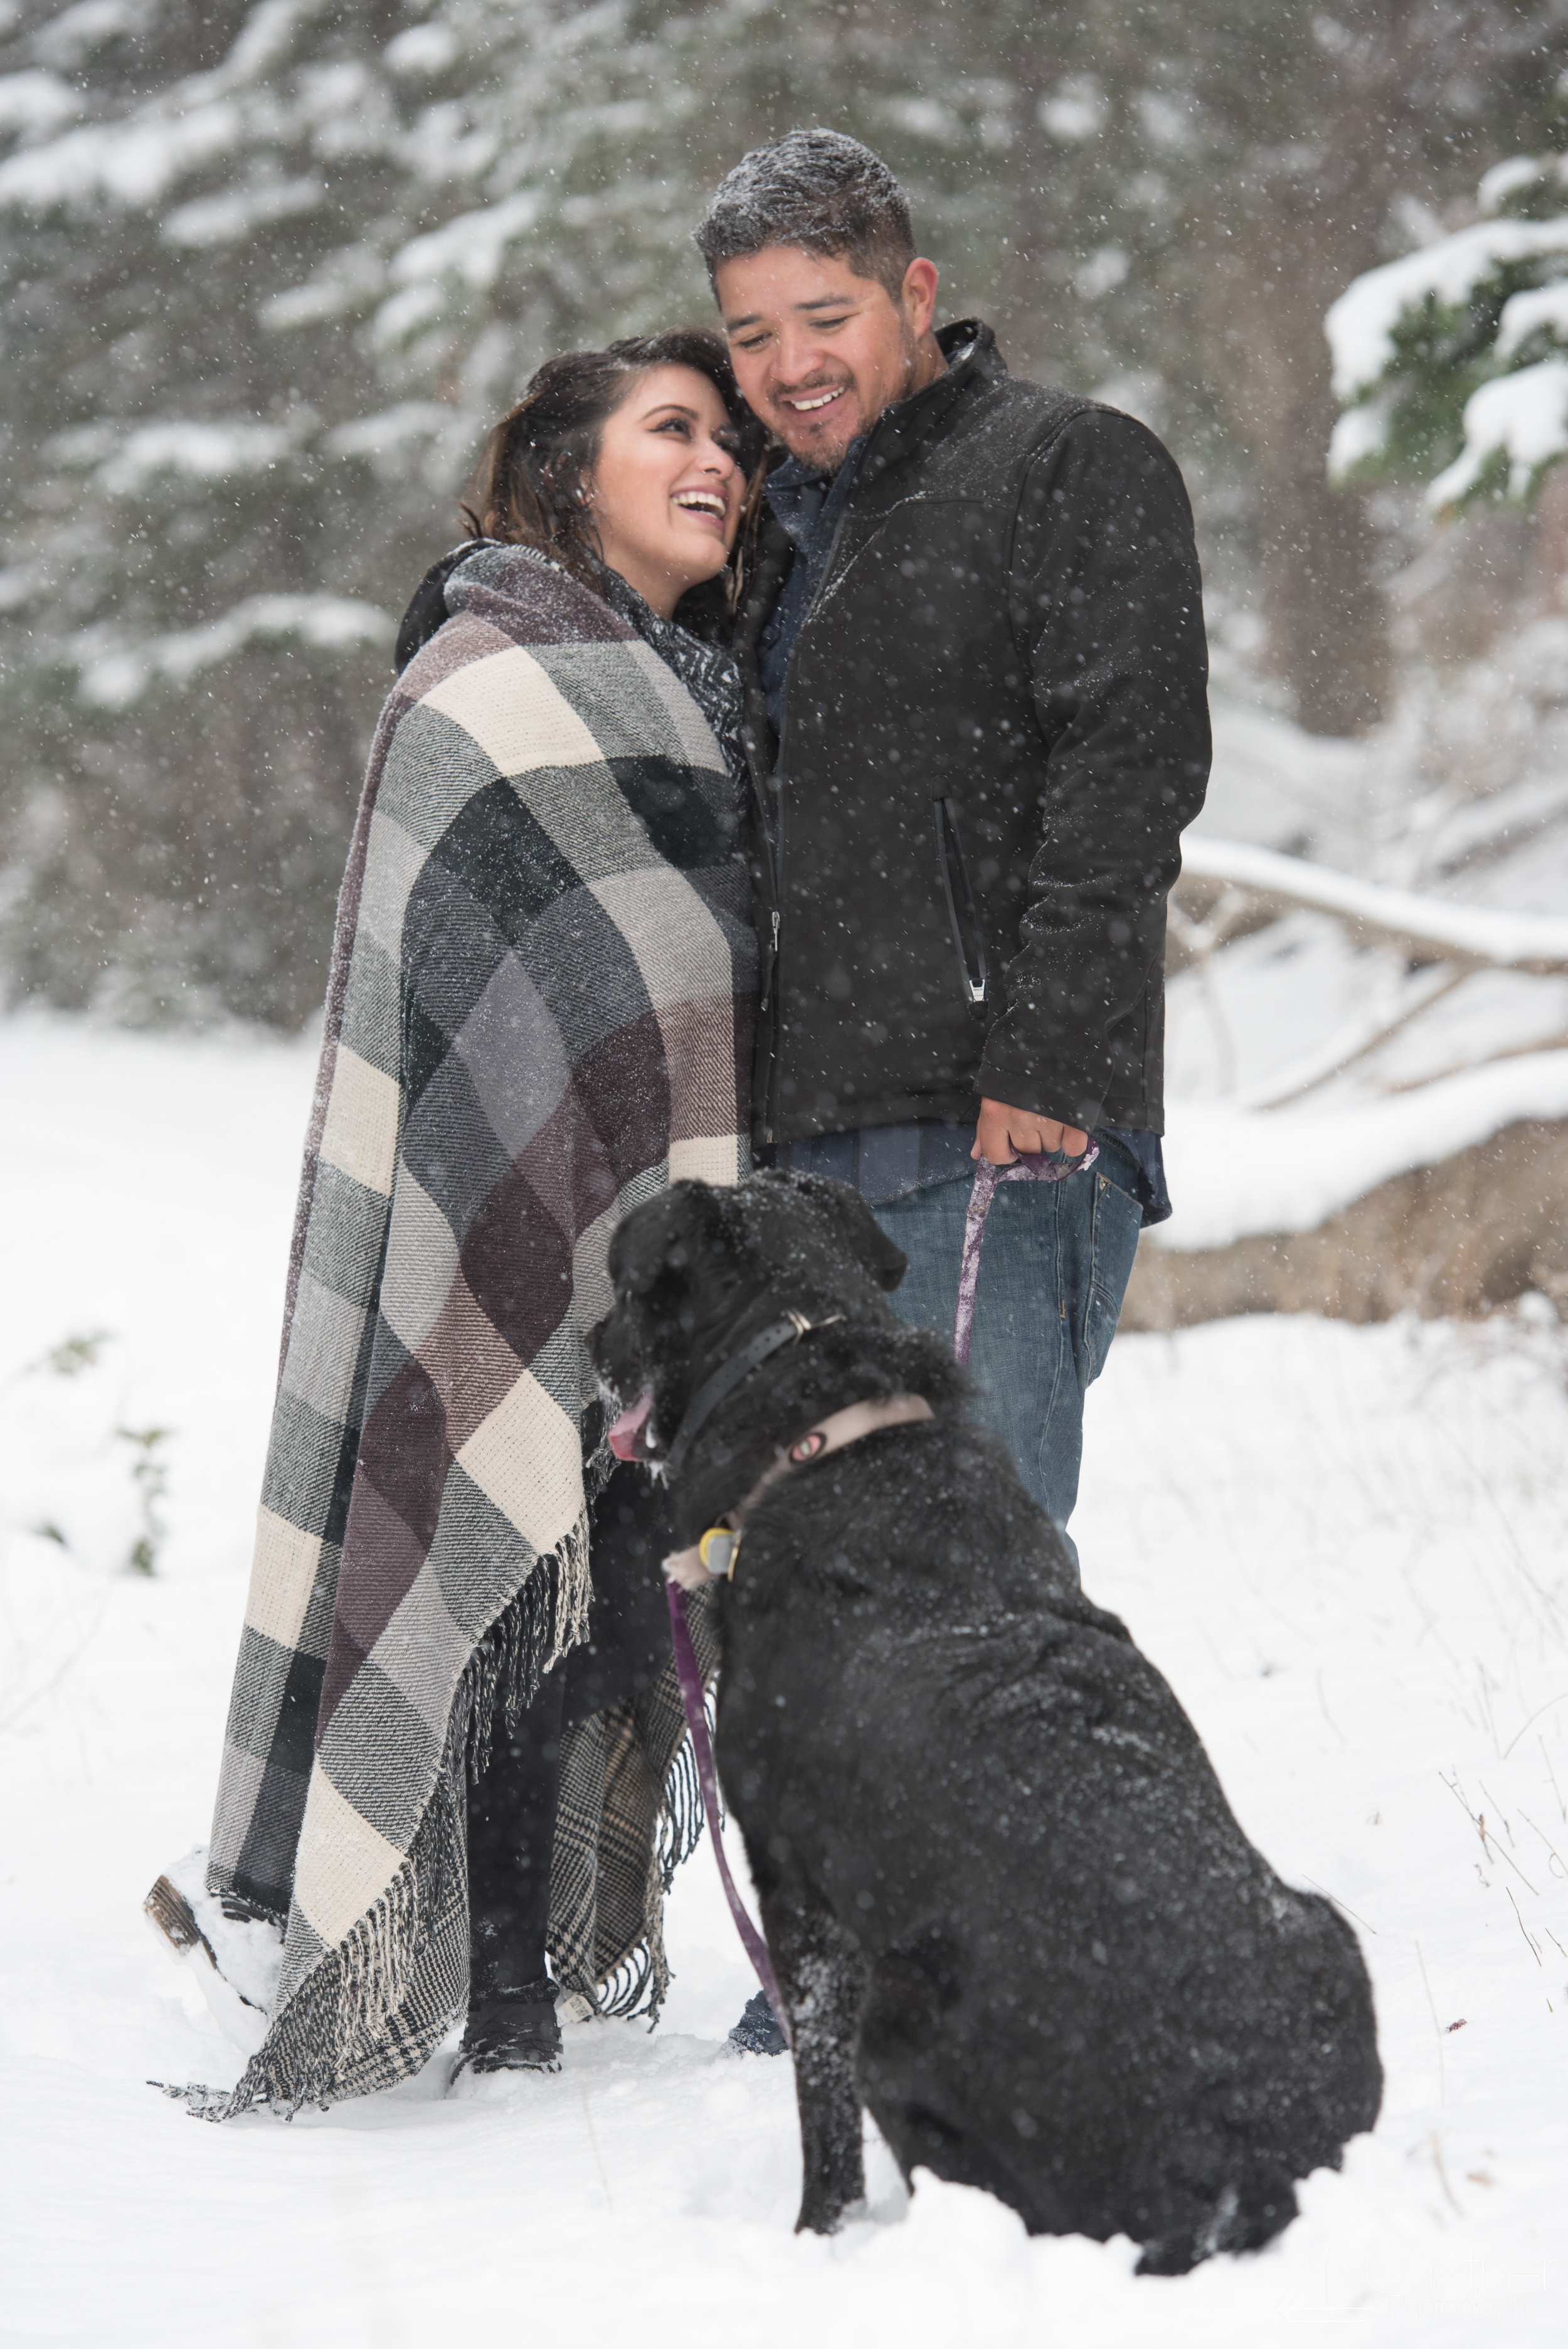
(818, 352)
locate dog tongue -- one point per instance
(628, 1427)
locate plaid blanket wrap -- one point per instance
(540, 1014)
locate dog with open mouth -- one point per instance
(1010, 1910)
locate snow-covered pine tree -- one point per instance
(266, 271)
(268, 267)
(1451, 362)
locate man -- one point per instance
(974, 647)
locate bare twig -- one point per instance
(1532, 1945)
(1534, 1717)
(1323, 1708)
(1356, 1041)
(1438, 2033)
(1498, 1811)
(1462, 1068)
(1488, 1842)
(1338, 1903)
(1559, 1867)
(1442, 2177)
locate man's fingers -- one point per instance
(1004, 1135)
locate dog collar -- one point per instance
(729, 1374)
(718, 1548)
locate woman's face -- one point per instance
(667, 487)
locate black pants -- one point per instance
(512, 1807)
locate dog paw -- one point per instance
(822, 2215)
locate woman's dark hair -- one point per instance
(531, 485)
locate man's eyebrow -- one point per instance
(818, 302)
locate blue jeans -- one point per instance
(1053, 1272)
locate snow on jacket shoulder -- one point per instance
(996, 727)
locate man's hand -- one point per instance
(1004, 1135)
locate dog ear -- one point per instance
(855, 1228)
(657, 1238)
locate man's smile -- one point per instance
(805, 403)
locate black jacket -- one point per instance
(994, 730)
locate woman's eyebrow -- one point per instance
(670, 407)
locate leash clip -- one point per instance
(804, 1327)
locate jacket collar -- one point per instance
(903, 429)
(907, 427)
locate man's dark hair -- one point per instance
(815, 189)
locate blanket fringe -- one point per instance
(376, 2008)
(640, 1984)
(682, 1815)
(543, 1620)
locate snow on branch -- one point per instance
(1473, 937)
(330, 624)
(1362, 325)
(1457, 355)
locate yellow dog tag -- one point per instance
(718, 1550)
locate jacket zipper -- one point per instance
(770, 1107)
(959, 892)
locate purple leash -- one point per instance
(1040, 1169)
(707, 1778)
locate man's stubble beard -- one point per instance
(827, 464)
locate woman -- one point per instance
(540, 1013)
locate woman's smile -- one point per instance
(666, 484)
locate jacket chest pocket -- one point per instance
(963, 913)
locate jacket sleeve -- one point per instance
(1108, 606)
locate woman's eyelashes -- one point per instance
(682, 427)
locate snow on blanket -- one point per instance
(1343, 1544)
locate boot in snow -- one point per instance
(757, 2031)
(234, 1956)
(514, 2031)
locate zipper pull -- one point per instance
(764, 999)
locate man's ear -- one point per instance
(855, 1228)
(919, 296)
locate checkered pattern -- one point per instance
(540, 1014)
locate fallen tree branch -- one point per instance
(1361, 1037)
(1432, 929)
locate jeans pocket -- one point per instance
(1118, 1220)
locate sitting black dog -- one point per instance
(1009, 1905)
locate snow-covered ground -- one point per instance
(1344, 1546)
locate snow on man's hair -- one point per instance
(815, 189)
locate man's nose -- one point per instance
(797, 360)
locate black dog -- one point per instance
(1006, 1900)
